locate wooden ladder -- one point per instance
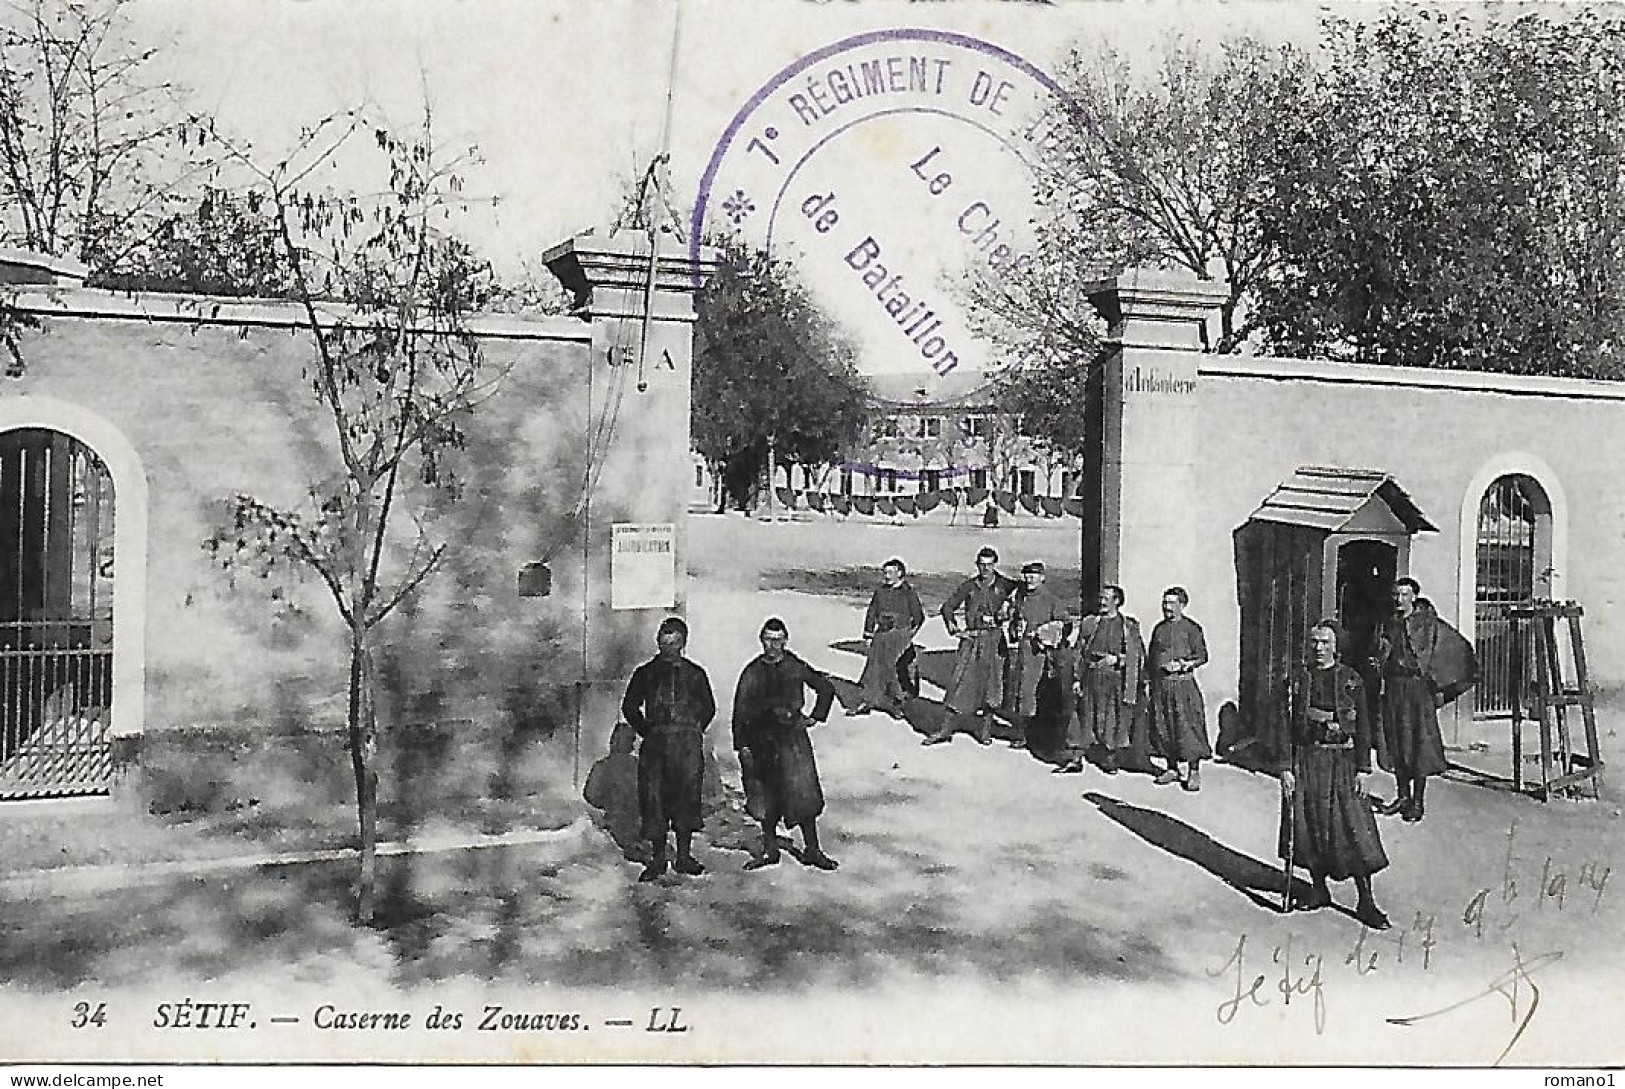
(1553, 696)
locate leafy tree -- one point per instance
(385, 289)
(1048, 400)
(1179, 166)
(225, 244)
(1001, 441)
(95, 149)
(1438, 189)
(773, 375)
(1455, 195)
(1170, 169)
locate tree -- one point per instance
(385, 288)
(1455, 195)
(224, 244)
(1000, 442)
(774, 378)
(1048, 401)
(1168, 170)
(95, 150)
(1173, 169)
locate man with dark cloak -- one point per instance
(1326, 822)
(1110, 655)
(1424, 663)
(975, 613)
(894, 617)
(669, 704)
(1177, 712)
(1033, 635)
(775, 752)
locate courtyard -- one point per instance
(984, 910)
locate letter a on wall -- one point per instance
(643, 566)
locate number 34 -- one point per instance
(86, 1015)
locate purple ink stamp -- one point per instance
(888, 165)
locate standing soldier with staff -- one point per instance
(1110, 654)
(1326, 822)
(895, 616)
(978, 681)
(1178, 714)
(669, 704)
(775, 753)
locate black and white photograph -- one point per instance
(812, 532)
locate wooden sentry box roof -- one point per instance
(1335, 500)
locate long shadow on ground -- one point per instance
(927, 716)
(1243, 873)
(892, 909)
(198, 928)
(1259, 882)
(572, 912)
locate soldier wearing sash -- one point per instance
(1326, 822)
(1110, 655)
(975, 613)
(894, 617)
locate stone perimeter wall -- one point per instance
(1201, 440)
(206, 399)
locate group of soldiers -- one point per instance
(1024, 656)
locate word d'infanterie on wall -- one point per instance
(1142, 380)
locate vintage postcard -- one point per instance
(721, 531)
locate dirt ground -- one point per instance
(984, 909)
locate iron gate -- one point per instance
(56, 617)
(1508, 526)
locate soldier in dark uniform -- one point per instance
(669, 704)
(894, 617)
(1326, 822)
(1033, 634)
(1424, 663)
(977, 684)
(775, 753)
(1109, 659)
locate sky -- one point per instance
(567, 102)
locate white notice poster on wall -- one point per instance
(643, 566)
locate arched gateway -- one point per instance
(1513, 563)
(70, 598)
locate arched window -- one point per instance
(56, 615)
(1513, 562)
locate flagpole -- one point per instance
(659, 174)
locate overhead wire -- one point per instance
(604, 424)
